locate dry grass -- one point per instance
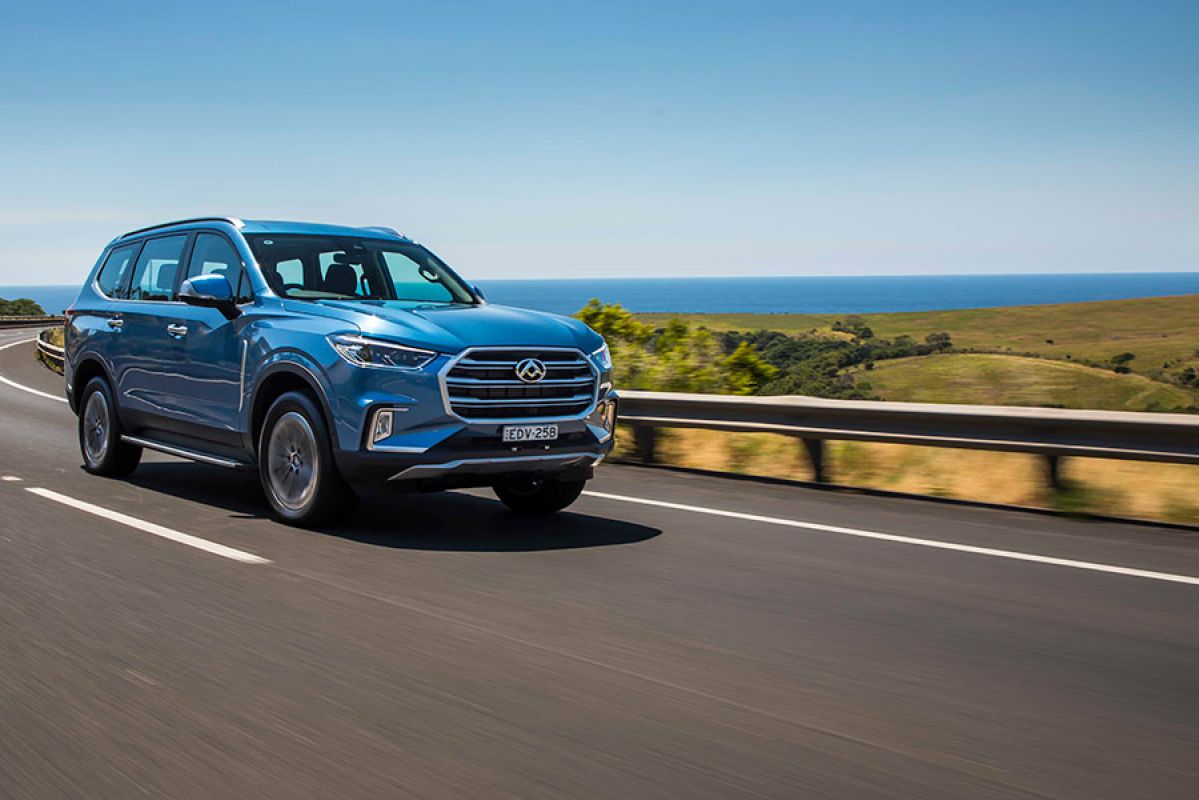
(1118, 488)
(1018, 381)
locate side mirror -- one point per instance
(479, 293)
(210, 291)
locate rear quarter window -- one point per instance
(111, 278)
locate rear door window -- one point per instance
(111, 280)
(157, 268)
(213, 254)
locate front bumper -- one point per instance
(475, 455)
(459, 464)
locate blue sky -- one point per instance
(572, 139)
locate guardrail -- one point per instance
(1051, 433)
(51, 354)
(27, 322)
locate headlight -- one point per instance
(362, 352)
(603, 357)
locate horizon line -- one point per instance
(759, 277)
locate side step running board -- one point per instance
(184, 452)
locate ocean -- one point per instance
(793, 295)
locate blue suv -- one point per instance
(335, 361)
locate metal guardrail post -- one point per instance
(644, 441)
(815, 451)
(1053, 471)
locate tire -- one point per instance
(539, 496)
(296, 466)
(100, 444)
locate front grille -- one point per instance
(483, 385)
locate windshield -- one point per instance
(305, 267)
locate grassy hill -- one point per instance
(1158, 330)
(1033, 352)
(1019, 381)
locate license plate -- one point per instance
(530, 433)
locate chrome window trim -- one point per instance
(444, 372)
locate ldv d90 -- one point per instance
(335, 360)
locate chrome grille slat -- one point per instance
(482, 385)
(469, 363)
(522, 401)
(548, 382)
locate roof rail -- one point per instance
(382, 229)
(234, 221)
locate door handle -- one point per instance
(178, 331)
(116, 323)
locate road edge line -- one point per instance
(22, 387)
(1013, 555)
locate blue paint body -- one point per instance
(207, 389)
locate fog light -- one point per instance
(603, 420)
(382, 428)
(608, 415)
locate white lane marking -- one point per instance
(23, 388)
(891, 537)
(152, 528)
(9, 478)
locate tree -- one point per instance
(22, 307)
(1123, 358)
(939, 341)
(744, 370)
(614, 323)
(854, 324)
(686, 358)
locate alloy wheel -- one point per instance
(292, 461)
(97, 428)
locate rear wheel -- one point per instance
(539, 496)
(104, 453)
(296, 467)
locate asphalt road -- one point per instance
(797, 643)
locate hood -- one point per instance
(452, 328)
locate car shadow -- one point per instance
(436, 521)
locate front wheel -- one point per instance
(295, 464)
(104, 453)
(539, 496)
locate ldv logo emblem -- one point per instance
(530, 370)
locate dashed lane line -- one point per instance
(151, 528)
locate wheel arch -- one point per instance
(276, 380)
(89, 367)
